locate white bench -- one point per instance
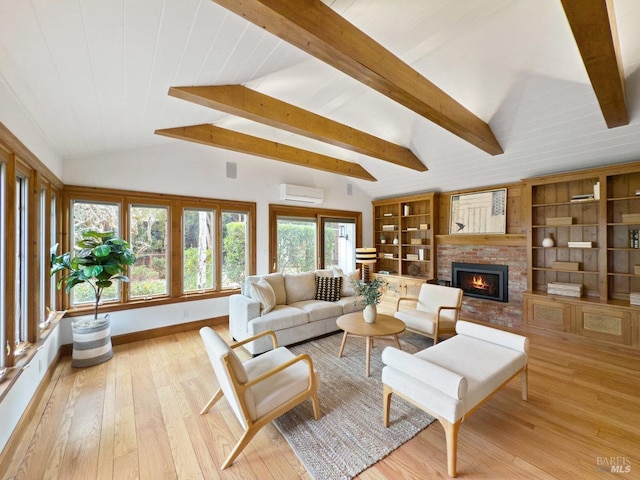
(453, 378)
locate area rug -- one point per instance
(350, 436)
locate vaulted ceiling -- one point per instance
(94, 77)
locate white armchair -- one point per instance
(262, 388)
(436, 312)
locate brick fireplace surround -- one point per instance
(505, 314)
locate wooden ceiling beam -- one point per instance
(593, 24)
(247, 103)
(316, 29)
(239, 142)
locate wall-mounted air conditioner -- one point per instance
(297, 193)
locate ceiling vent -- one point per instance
(297, 193)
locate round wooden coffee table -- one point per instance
(384, 326)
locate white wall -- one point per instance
(182, 168)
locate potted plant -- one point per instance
(371, 292)
(99, 259)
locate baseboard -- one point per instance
(168, 330)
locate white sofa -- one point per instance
(453, 378)
(297, 315)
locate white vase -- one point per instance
(548, 242)
(369, 313)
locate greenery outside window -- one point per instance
(148, 236)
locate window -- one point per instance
(303, 239)
(185, 247)
(148, 228)
(339, 243)
(21, 328)
(235, 248)
(198, 250)
(103, 217)
(53, 239)
(25, 232)
(296, 244)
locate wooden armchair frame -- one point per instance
(253, 426)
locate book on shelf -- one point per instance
(580, 244)
(412, 256)
(582, 197)
(387, 214)
(634, 239)
(388, 227)
(412, 229)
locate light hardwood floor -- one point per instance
(136, 416)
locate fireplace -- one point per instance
(490, 282)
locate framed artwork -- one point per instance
(479, 212)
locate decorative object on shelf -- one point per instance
(371, 293)
(480, 212)
(413, 270)
(416, 241)
(636, 269)
(395, 240)
(572, 266)
(383, 239)
(100, 258)
(406, 210)
(565, 289)
(634, 298)
(634, 239)
(424, 226)
(548, 242)
(421, 254)
(596, 190)
(556, 221)
(366, 256)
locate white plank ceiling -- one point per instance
(93, 77)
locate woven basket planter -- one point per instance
(91, 342)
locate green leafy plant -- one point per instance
(99, 259)
(371, 291)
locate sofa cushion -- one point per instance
(423, 321)
(328, 288)
(263, 293)
(348, 281)
(319, 310)
(325, 272)
(281, 317)
(276, 280)
(351, 304)
(300, 286)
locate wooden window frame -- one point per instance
(276, 210)
(176, 204)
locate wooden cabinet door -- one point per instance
(608, 324)
(547, 314)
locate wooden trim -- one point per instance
(12, 144)
(318, 30)
(515, 240)
(168, 330)
(10, 259)
(307, 212)
(240, 142)
(593, 24)
(247, 103)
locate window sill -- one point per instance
(24, 362)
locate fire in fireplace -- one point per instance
(482, 280)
